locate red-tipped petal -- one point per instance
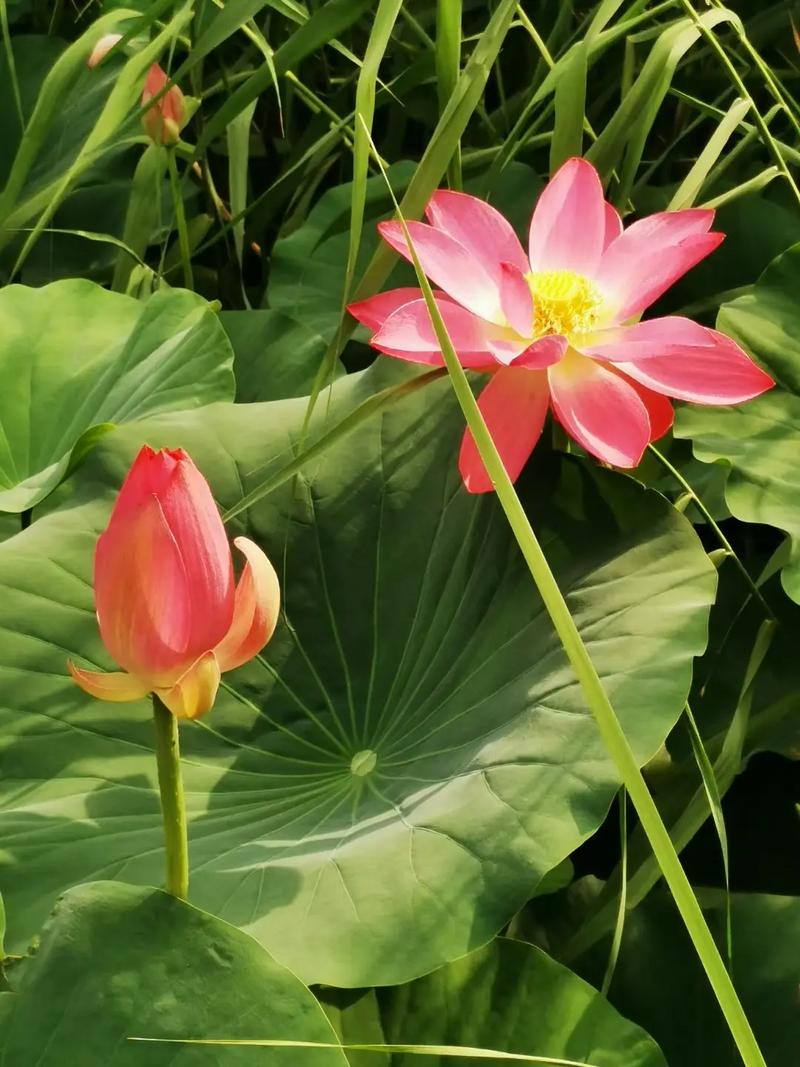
(599, 410)
(375, 310)
(613, 225)
(642, 263)
(142, 595)
(542, 353)
(660, 411)
(410, 329)
(569, 223)
(514, 406)
(679, 358)
(149, 475)
(194, 693)
(255, 614)
(195, 523)
(516, 299)
(114, 686)
(479, 227)
(449, 265)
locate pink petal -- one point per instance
(150, 473)
(613, 225)
(516, 299)
(569, 224)
(479, 227)
(114, 686)
(659, 409)
(409, 334)
(641, 264)
(600, 410)
(255, 614)
(374, 311)
(449, 265)
(194, 521)
(195, 691)
(410, 329)
(142, 594)
(665, 336)
(542, 353)
(679, 358)
(514, 405)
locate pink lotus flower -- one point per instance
(557, 328)
(169, 611)
(163, 121)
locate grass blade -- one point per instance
(570, 106)
(715, 807)
(448, 68)
(449, 1051)
(327, 22)
(688, 191)
(619, 926)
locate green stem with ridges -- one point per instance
(173, 807)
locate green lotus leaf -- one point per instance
(507, 996)
(75, 357)
(758, 440)
(117, 961)
(766, 929)
(274, 356)
(383, 789)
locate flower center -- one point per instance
(563, 302)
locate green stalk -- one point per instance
(173, 808)
(448, 68)
(180, 219)
(596, 697)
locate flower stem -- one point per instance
(173, 809)
(180, 219)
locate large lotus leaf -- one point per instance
(387, 785)
(758, 440)
(75, 357)
(116, 961)
(659, 980)
(511, 997)
(275, 357)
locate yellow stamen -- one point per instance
(563, 302)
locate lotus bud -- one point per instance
(165, 119)
(169, 611)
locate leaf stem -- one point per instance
(173, 808)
